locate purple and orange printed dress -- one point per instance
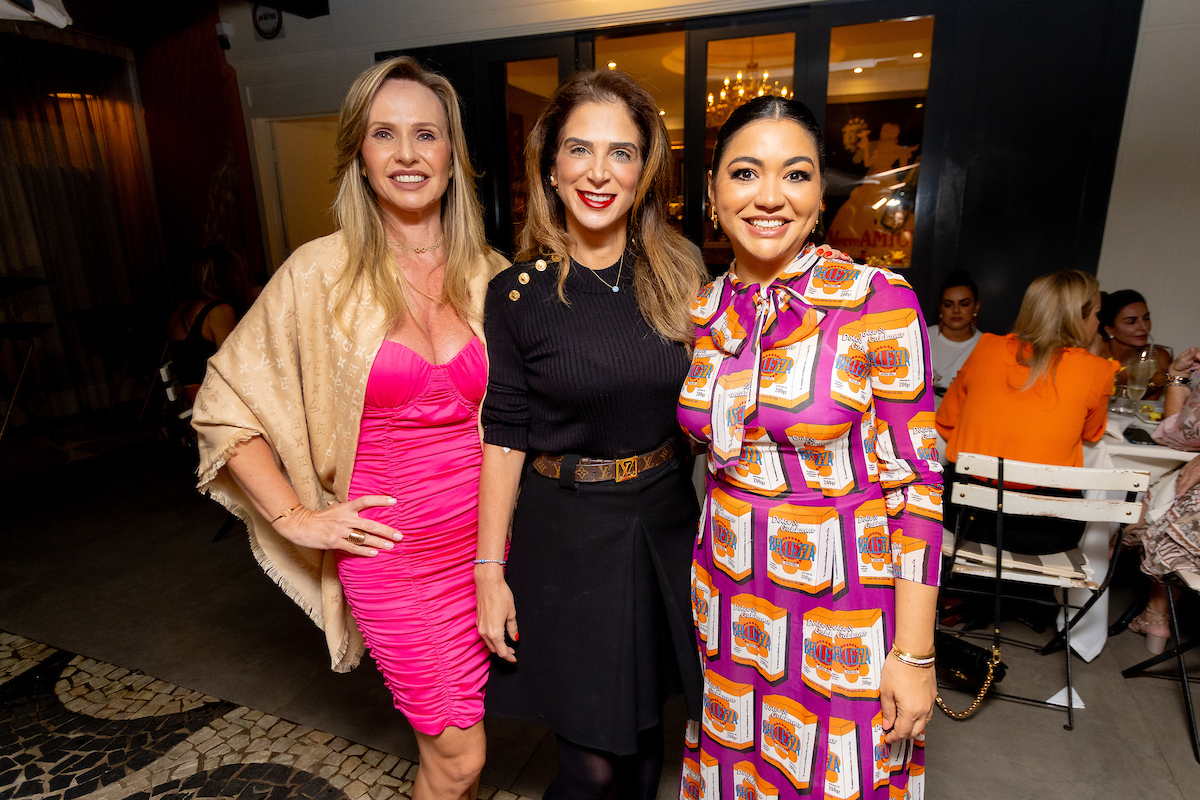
(815, 399)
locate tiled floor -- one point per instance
(112, 558)
(73, 727)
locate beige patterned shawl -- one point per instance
(289, 374)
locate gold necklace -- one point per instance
(616, 287)
(408, 249)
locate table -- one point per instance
(1112, 452)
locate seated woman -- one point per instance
(954, 336)
(1036, 394)
(1125, 331)
(1172, 541)
(220, 294)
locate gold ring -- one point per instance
(357, 537)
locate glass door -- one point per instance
(514, 79)
(874, 126)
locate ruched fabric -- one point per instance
(415, 604)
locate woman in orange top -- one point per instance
(1038, 393)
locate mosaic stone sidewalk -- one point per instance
(73, 727)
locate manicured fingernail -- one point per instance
(389, 545)
(391, 501)
(396, 536)
(372, 552)
(517, 638)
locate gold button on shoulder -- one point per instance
(514, 295)
(540, 265)
(523, 277)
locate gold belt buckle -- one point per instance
(627, 468)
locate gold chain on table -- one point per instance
(987, 684)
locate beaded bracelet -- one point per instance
(499, 561)
(912, 660)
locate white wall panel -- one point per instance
(1150, 234)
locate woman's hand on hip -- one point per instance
(907, 695)
(339, 527)
(495, 611)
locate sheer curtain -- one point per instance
(77, 208)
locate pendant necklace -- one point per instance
(616, 287)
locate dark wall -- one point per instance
(1022, 122)
(198, 146)
(1026, 112)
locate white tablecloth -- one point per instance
(1112, 452)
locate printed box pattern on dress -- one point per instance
(815, 399)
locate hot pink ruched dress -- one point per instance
(415, 604)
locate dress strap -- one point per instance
(198, 322)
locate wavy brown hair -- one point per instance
(666, 272)
(370, 265)
(1051, 319)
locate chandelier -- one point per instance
(741, 91)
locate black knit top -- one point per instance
(590, 378)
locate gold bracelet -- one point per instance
(1178, 380)
(912, 660)
(286, 512)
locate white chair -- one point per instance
(1066, 570)
(1189, 580)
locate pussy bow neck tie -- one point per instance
(755, 320)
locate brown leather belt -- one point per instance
(594, 470)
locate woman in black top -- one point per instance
(220, 295)
(588, 343)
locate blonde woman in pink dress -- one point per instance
(341, 418)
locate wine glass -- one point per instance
(1139, 373)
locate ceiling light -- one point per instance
(747, 85)
(920, 105)
(612, 65)
(662, 113)
(857, 70)
(917, 55)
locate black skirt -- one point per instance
(600, 575)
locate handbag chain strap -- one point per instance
(987, 684)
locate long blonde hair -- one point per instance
(370, 266)
(1052, 318)
(666, 273)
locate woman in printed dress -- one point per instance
(817, 560)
